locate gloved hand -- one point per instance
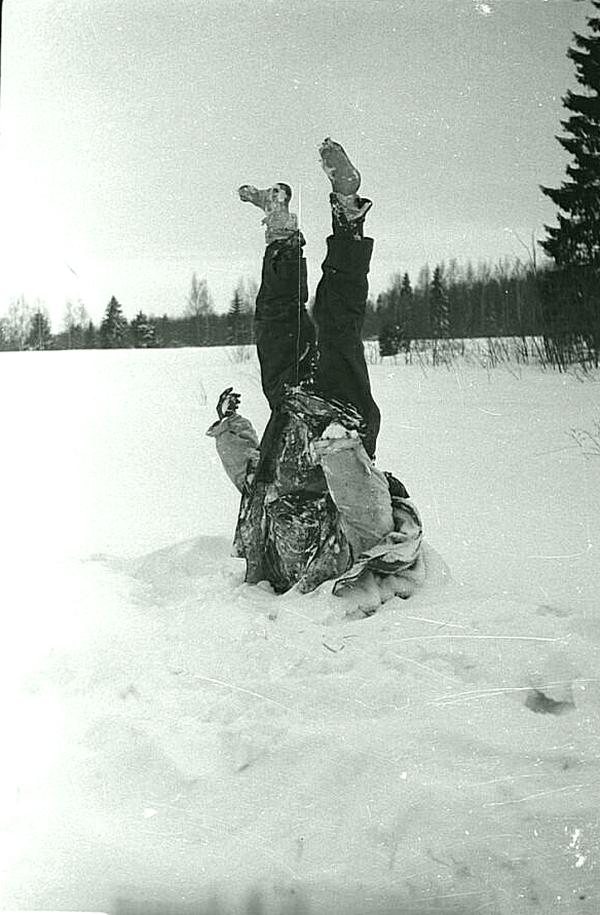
(228, 403)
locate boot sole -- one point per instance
(344, 177)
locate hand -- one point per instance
(228, 403)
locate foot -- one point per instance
(250, 194)
(344, 177)
(279, 223)
(268, 199)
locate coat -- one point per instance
(323, 511)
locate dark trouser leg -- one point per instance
(285, 337)
(339, 313)
(284, 333)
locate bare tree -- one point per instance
(75, 321)
(17, 323)
(200, 306)
(69, 322)
(246, 291)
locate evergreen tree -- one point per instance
(407, 306)
(390, 304)
(40, 334)
(371, 322)
(394, 316)
(391, 340)
(438, 303)
(89, 336)
(570, 294)
(421, 303)
(235, 320)
(163, 332)
(576, 240)
(143, 331)
(113, 329)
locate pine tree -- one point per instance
(113, 329)
(407, 307)
(235, 319)
(40, 334)
(89, 336)
(371, 322)
(394, 313)
(576, 240)
(143, 331)
(391, 334)
(391, 340)
(163, 332)
(438, 303)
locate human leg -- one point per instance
(341, 296)
(284, 333)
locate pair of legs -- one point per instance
(329, 354)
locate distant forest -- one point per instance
(509, 299)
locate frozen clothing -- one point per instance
(328, 513)
(339, 313)
(329, 358)
(278, 221)
(314, 507)
(285, 335)
(289, 350)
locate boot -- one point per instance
(347, 208)
(344, 177)
(260, 198)
(279, 223)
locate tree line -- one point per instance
(451, 301)
(26, 327)
(458, 302)
(559, 301)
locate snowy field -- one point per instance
(176, 741)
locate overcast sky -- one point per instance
(127, 125)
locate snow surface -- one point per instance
(175, 740)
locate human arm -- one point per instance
(235, 438)
(358, 488)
